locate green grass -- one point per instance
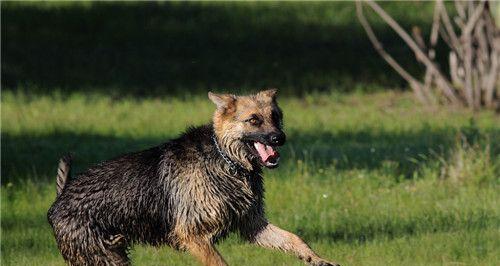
(366, 179)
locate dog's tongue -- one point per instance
(265, 151)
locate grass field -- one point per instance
(366, 179)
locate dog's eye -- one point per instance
(254, 120)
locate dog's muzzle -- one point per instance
(264, 146)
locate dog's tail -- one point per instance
(63, 172)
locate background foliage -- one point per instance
(166, 47)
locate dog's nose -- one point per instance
(278, 138)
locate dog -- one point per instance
(187, 193)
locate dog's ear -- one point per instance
(224, 102)
(268, 95)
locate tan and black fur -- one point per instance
(187, 193)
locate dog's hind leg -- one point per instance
(84, 255)
(83, 244)
(96, 256)
(271, 236)
(205, 252)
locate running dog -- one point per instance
(187, 193)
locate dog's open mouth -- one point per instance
(268, 155)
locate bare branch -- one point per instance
(442, 82)
(459, 6)
(473, 19)
(445, 37)
(467, 61)
(435, 28)
(414, 83)
(429, 77)
(474, 54)
(493, 78)
(457, 81)
(455, 43)
(417, 35)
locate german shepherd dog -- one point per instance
(186, 193)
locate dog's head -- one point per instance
(249, 127)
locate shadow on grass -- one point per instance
(35, 157)
(163, 48)
(391, 227)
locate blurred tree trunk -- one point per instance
(473, 39)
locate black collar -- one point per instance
(234, 166)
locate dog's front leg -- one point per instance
(271, 236)
(205, 252)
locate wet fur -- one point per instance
(181, 193)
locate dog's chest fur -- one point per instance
(206, 195)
